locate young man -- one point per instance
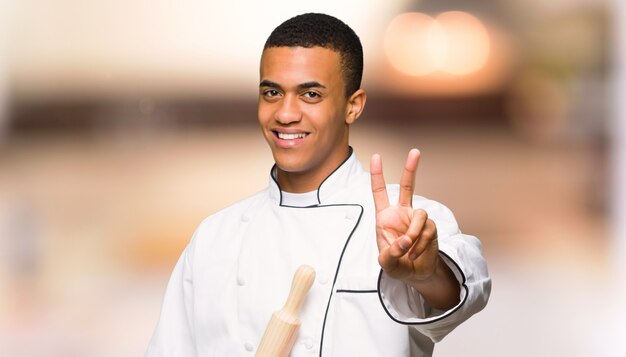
(391, 279)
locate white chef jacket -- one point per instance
(238, 267)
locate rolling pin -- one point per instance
(280, 333)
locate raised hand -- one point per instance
(407, 238)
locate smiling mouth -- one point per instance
(290, 136)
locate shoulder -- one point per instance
(224, 223)
(233, 213)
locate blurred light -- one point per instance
(467, 42)
(407, 43)
(116, 47)
(454, 42)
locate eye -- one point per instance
(311, 97)
(270, 93)
(312, 94)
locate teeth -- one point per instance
(286, 136)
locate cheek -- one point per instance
(263, 114)
(327, 118)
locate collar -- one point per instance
(334, 183)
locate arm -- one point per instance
(174, 335)
(433, 277)
(407, 240)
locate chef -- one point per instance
(394, 272)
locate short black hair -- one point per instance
(311, 30)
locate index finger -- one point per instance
(379, 189)
(407, 181)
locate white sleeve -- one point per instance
(174, 334)
(463, 254)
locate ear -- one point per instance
(356, 103)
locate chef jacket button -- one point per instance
(248, 346)
(322, 279)
(241, 281)
(308, 343)
(245, 218)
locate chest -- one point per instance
(248, 263)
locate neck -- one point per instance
(295, 182)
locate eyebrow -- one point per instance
(312, 84)
(266, 83)
(305, 85)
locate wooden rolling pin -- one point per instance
(280, 333)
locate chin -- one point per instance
(289, 166)
(289, 163)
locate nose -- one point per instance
(288, 111)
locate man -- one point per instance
(391, 279)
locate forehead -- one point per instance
(299, 64)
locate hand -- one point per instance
(406, 237)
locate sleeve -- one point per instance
(463, 254)
(174, 334)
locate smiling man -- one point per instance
(305, 113)
(392, 279)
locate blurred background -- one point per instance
(124, 123)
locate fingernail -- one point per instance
(405, 242)
(413, 256)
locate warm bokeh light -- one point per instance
(409, 43)
(467, 42)
(454, 42)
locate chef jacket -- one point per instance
(238, 267)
